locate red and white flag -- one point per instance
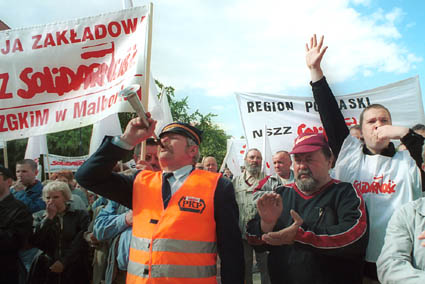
(267, 167)
(232, 160)
(236, 151)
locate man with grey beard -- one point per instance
(316, 229)
(244, 187)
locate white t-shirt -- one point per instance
(385, 183)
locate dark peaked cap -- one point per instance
(183, 129)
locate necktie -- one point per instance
(166, 189)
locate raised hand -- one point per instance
(51, 210)
(314, 55)
(129, 218)
(285, 236)
(18, 186)
(391, 132)
(136, 132)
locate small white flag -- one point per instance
(110, 125)
(232, 160)
(167, 117)
(36, 146)
(268, 168)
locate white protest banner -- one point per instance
(289, 116)
(59, 163)
(66, 75)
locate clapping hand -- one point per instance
(270, 207)
(285, 236)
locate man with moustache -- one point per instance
(315, 229)
(181, 216)
(114, 222)
(244, 187)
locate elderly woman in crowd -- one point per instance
(59, 234)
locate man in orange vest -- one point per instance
(181, 216)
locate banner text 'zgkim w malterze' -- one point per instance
(66, 75)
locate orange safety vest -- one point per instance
(178, 244)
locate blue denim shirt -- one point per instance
(31, 197)
(109, 223)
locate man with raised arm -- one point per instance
(181, 216)
(386, 178)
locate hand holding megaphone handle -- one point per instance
(130, 94)
(138, 108)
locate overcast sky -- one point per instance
(207, 50)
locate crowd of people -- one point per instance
(175, 219)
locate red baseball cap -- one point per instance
(309, 142)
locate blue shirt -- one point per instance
(109, 223)
(99, 201)
(178, 178)
(31, 197)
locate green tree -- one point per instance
(74, 142)
(15, 152)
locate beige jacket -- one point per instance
(244, 187)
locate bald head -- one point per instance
(210, 164)
(282, 164)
